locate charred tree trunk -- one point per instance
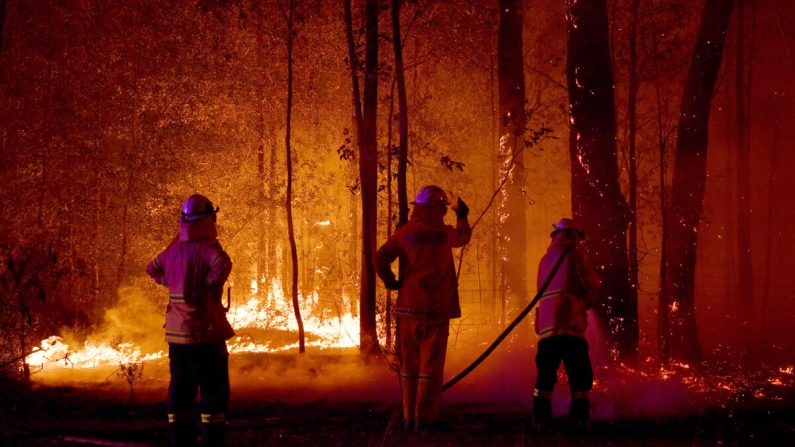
(773, 218)
(510, 74)
(365, 116)
(289, 195)
(389, 209)
(403, 127)
(632, 114)
(597, 202)
(742, 92)
(687, 188)
(662, 143)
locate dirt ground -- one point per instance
(64, 416)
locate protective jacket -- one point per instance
(430, 287)
(194, 267)
(570, 293)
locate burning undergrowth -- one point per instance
(129, 345)
(128, 353)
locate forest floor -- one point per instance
(338, 400)
(67, 416)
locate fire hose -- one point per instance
(511, 326)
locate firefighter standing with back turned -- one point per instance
(427, 300)
(194, 267)
(560, 323)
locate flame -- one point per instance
(325, 328)
(259, 323)
(55, 352)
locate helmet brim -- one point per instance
(427, 205)
(580, 233)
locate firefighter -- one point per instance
(560, 323)
(427, 299)
(194, 267)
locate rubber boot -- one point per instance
(578, 412)
(542, 413)
(213, 434)
(182, 434)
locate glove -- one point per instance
(393, 284)
(461, 210)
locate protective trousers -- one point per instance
(573, 352)
(202, 368)
(423, 346)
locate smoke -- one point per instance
(135, 319)
(626, 391)
(133, 329)
(507, 378)
(340, 376)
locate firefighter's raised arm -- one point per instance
(463, 232)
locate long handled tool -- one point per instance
(513, 324)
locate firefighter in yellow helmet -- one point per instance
(561, 321)
(194, 267)
(427, 299)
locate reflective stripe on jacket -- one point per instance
(194, 267)
(430, 287)
(562, 307)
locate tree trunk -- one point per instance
(597, 202)
(510, 74)
(773, 218)
(632, 108)
(389, 209)
(403, 126)
(289, 195)
(689, 178)
(742, 92)
(403, 202)
(662, 143)
(365, 118)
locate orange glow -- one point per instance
(325, 329)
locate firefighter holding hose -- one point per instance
(427, 299)
(561, 321)
(194, 267)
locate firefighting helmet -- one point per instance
(431, 195)
(197, 207)
(567, 224)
